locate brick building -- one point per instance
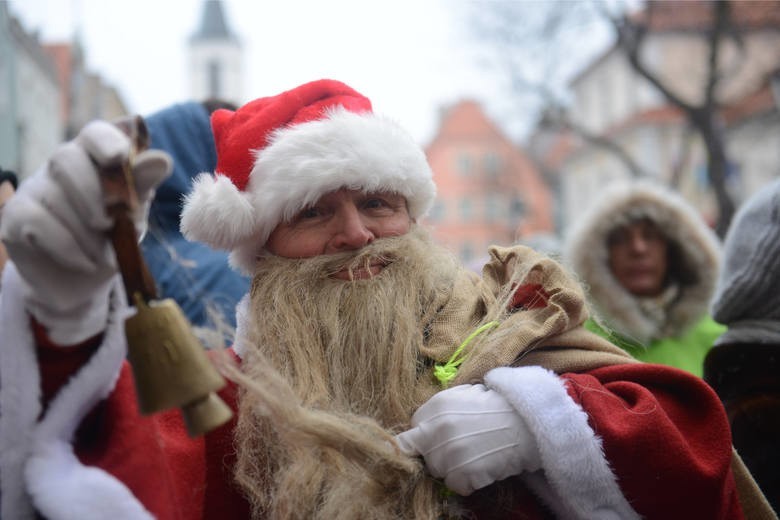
(489, 191)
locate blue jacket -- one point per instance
(197, 277)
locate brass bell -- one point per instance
(171, 368)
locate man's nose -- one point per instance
(351, 230)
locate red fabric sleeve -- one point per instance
(56, 363)
(666, 436)
(174, 476)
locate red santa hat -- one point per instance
(278, 155)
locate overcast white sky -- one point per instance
(411, 57)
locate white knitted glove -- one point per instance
(55, 230)
(471, 437)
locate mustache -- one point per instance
(383, 250)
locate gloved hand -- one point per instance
(470, 436)
(55, 230)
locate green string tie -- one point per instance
(446, 373)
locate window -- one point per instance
(466, 252)
(466, 208)
(437, 211)
(516, 208)
(732, 175)
(465, 164)
(491, 163)
(215, 88)
(701, 174)
(493, 209)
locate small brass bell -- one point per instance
(170, 366)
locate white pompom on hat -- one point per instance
(278, 155)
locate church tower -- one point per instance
(215, 58)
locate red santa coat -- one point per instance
(173, 475)
(663, 448)
(623, 441)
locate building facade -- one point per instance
(489, 192)
(84, 95)
(46, 95)
(612, 101)
(30, 117)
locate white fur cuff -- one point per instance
(576, 480)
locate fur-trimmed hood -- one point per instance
(586, 252)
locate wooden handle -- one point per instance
(135, 273)
(121, 201)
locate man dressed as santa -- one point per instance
(371, 376)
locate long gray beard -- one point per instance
(351, 346)
(333, 370)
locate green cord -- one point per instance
(447, 372)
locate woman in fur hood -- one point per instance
(650, 263)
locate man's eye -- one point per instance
(374, 203)
(308, 213)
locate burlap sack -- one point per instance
(543, 328)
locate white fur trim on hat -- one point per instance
(302, 163)
(217, 213)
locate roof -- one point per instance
(213, 24)
(693, 16)
(466, 119)
(687, 15)
(760, 101)
(29, 44)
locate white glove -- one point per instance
(55, 230)
(470, 436)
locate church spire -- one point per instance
(213, 24)
(216, 58)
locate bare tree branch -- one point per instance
(529, 37)
(705, 117)
(683, 156)
(631, 36)
(563, 122)
(721, 18)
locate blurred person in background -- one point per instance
(744, 365)
(8, 184)
(197, 276)
(649, 264)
